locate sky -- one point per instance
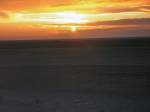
(54, 19)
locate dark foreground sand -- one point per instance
(74, 79)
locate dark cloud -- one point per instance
(115, 32)
(143, 21)
(143, 8)
(115, 9)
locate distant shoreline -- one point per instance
(69, 43)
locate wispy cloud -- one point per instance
(4, 17)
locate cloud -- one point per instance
(124, 9)
(114, 33)
(142, 21)
(31, 4)
(145, 8)
(4, 15)
(74, 4)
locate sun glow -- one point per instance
(71, 17)
(51, 18)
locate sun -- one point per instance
(73, 28)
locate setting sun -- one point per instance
(73, 28)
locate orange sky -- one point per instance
(42, 19)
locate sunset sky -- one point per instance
(50, 19)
